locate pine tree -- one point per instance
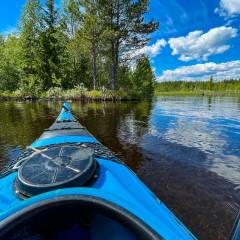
(89, 30)
(91, 33)
(72, 20)
(127, 29)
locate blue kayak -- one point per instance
(67, 185)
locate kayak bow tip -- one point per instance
(65, 114)
(67, 107)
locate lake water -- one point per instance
(186, 149)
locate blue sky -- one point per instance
(196, 38)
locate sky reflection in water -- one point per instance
(211, 126)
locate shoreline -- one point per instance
(198, 93)
(81, 99)
(117, 98)
(83, 95)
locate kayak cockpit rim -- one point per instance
(107, 208)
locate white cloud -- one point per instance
(198, 45)
(219, 71)
(151, 50)
(228, 8)
(9, 30)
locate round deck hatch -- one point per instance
(56, 167)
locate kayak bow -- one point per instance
(74, 187)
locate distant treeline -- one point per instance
(199, 86)
(89, 43)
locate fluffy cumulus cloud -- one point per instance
(198, 45)
(228, 8)
(151, 50)
(219, 71)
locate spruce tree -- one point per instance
(143, 77)
(30, 29)
(210, 83)
(52, 47)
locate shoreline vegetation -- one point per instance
(198, 93)
(72, 94)
(170, 88)
(199, 88)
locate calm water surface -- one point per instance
(186, 149)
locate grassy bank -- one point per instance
(81, 94)
(197, 93)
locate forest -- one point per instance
(80, 46)
(199, 87)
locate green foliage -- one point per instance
(78, 91)
(54, 92)
(199, 87)
(94, 94)
(9, 63)
(126, 30)
(143, 77)
(83, 42)
(28, 91)
(52, 50)
(30, 26)
(125, 78)
(81, 91)
(81, 88)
